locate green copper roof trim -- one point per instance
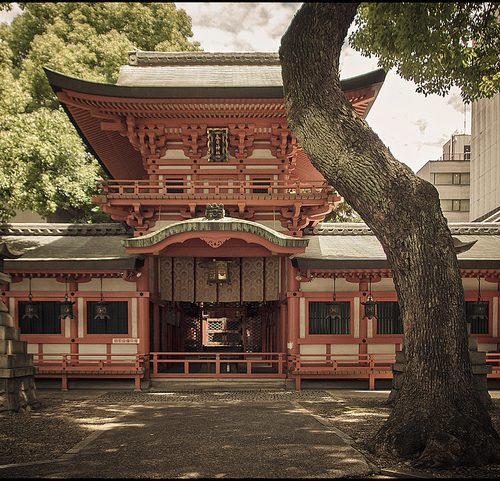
(226, 224)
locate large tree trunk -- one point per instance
(438, 418)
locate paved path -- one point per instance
(184, 438)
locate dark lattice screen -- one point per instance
(48, 321)
(329, 317)
(478, 323)
(117, 324)
(389, 318)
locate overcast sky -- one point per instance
(414, 127)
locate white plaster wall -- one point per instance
(80, 317)
(345, 349)
(32, 348)
(326, 285)
(487, 347)
(381, 348)
(302, 317)
(107, 285)
(355, 316)
(56, 349)
(124, 349)
(67, 326)
(38, 285)
(92, 349)
(261, 154)
(471, 284)
(133, 307)
(313, 349)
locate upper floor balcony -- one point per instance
(262, 189)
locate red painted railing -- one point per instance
(170, 188)
(218, 365)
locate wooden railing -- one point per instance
(218, 365)
(493, 360)
(341, 366)
(170, 188)
(80, 365)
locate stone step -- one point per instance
(7, 332)
(17, 372)
(10, 346)
(8, 361)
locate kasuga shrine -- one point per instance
(218, 264)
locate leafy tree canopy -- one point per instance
(43, 163)
(437, 45)
(343, 212)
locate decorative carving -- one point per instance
(214, 211)
(149, 139)
(141, 218)
(194, 140)
(283, 142)
(215, 243)
(241, 140)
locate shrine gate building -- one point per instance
(218, 264)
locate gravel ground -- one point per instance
(65, 419)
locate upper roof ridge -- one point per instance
(60, 229)
(152, 58)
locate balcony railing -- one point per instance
(131, 189)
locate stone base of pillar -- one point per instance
(18, 394)
(17, 385)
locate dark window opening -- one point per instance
(48, 321)
(329, 317)
(389, 318)
(478, 318)
(117, 324)
(264, 182)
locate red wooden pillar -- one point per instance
(156, 325)
(143, 308)
(73, 323)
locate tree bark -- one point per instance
(438, 419)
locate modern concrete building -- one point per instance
(451, 176)
(485, 161)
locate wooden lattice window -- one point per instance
(47, 322)
(478, 323)
(117, 324)
(389, 318)
(329, 317)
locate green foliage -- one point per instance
(43, 163)
(437, 45)
(343, 212)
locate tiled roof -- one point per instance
(60, 229)
(148, 58)
(354, 228)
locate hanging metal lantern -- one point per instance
(478, 309)
(369, 307)
(218, 272)
(66, 308)
(101, 309)
(30, 308)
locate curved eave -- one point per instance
(59, 81)
(226, 225)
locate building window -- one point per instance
(48, 321)
(117, 324)
(455, 205)
(261, 185)
(173, 182)
(478, 324)
(389, 318)
(453, 178)
(329, 317)
(466, 152)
